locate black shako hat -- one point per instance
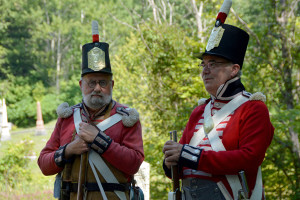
(95, 56)
(229, 42)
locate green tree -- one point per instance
(15, 38)
(272, 67)
(151, 46)
(160, 78)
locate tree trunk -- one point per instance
(154, 10)
(198, 14)
(287, 69)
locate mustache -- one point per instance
(96, 93)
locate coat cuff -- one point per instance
(101, 142)
(189, 156)
(59, 156)
(167, 170)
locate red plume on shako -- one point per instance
(223, 13)
(225, 40)
(95, 31)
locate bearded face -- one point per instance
(96, 90)
(96, 100)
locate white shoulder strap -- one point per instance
(217, 145)
(172, 195)
(214, 139)
(218, 117)
(97, 178)
(258, 189)
(105, 124)
(95, 159)
(77, 118)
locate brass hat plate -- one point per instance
(96, 59)
(215, 38)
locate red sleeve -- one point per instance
(126, 152)
(247, 137)
(61, 135)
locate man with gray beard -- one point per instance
(97, 99)
(96, 146)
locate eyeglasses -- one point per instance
(211, 65)
(102, 83)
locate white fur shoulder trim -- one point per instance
(201, 101)
(131, 119)
(64, 110)
(258, 96)
(129, 116)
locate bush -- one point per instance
(14, 164)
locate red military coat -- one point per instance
(245, 134)
(125, 152)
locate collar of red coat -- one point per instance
(99, 113)
(229, 90)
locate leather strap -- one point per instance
(73, 187)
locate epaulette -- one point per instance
(201, 101)
(258, 96)
(129, 116)
(64, 110)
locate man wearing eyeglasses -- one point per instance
(227, 135)
(96, 146)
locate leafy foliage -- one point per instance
(272, 68)
(14, 163)
(22, 97)
(167, 87)
(153, 67)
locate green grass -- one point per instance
(40, 187)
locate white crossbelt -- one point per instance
(218, 117)
(217, 145)
(96, 160)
